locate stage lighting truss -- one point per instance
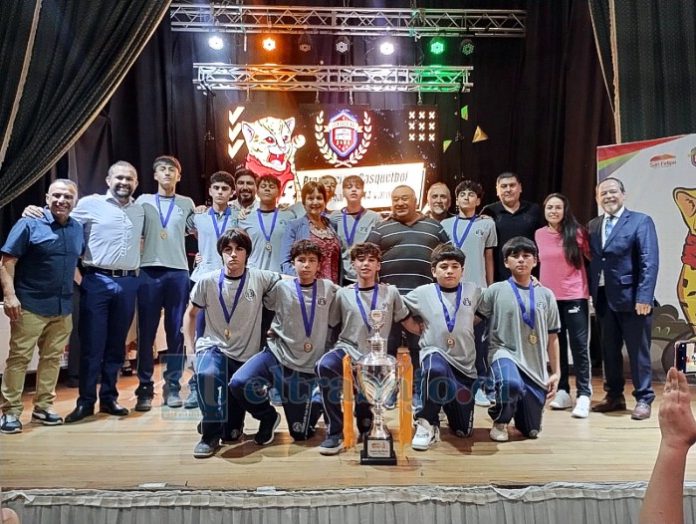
(435, 79)
(195, 16)
(422, 125)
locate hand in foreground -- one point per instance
(32, 212)
(552, 386)
(677, 423)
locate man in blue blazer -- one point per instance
(623, 274)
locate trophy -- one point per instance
(377, 378)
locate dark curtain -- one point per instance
(601, 26)
(656, 48)
(81, 52)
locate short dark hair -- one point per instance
(469, 185)
(244, 172)
(234, 236)
(446, 252)
(305, 247)
(519, 245)
(621, 185)
(353, 179)
(508, 174)
(309, 187)
(222, 176)
(167, 160)
(269, 178)
(365, 249)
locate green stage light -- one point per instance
(437, 46)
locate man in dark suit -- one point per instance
(623, 274)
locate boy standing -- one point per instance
(353, 223)
(231, 299)
(352, 309)
(447, 352)
(476, 236)
(524, 323)
(298, 338)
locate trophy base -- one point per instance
(378, 452)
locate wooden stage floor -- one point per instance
(108, 452)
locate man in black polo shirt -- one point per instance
(407, 239)
(513, 217)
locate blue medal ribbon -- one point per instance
(450, 321)
(528, 318)
(350, 237)
(259, 215)
(459, 242)
(165, 220)
(308, 320)
(228, 314)
(213, 217)
(373, 304)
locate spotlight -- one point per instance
(216, 42)
(467, 46)
(437, 45)
(342, 44)
(386, 47)
(269, 43)
(305, 43)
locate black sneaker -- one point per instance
(143, 404)
(234, 436)
(266, 432)
(10, 424)
(47, 417)
(332, 445)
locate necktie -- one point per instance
(608, 226)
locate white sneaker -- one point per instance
(561, 401)
(425, 436)
(481, 399)
(582, 407)
(499, 433)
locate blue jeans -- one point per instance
(161, 288)
(221, 413)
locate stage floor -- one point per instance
(108, 452)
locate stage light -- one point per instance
(269, 43)
(305, 43)
(342, 44)
(216, 42)
(387, 47)
(467, 47)
(437, 45)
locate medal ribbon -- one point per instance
(528, 318)
(213, 217)
(164, 220)
(373, 304)
(259, 215)
(460, 241)
(228, 314)
(350, 237)
(450, 321)
(308, 320)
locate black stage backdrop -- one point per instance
(541, 101)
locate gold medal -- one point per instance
(163, 235)
(227, 333)
(308, 347)
(533, 339)
(450, 342)
(269, 247)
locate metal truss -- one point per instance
(436, 79)
(219, 16)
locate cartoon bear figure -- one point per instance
(686, 287)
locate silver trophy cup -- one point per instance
(378, 382)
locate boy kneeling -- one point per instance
(523, 325)
(447, 349)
